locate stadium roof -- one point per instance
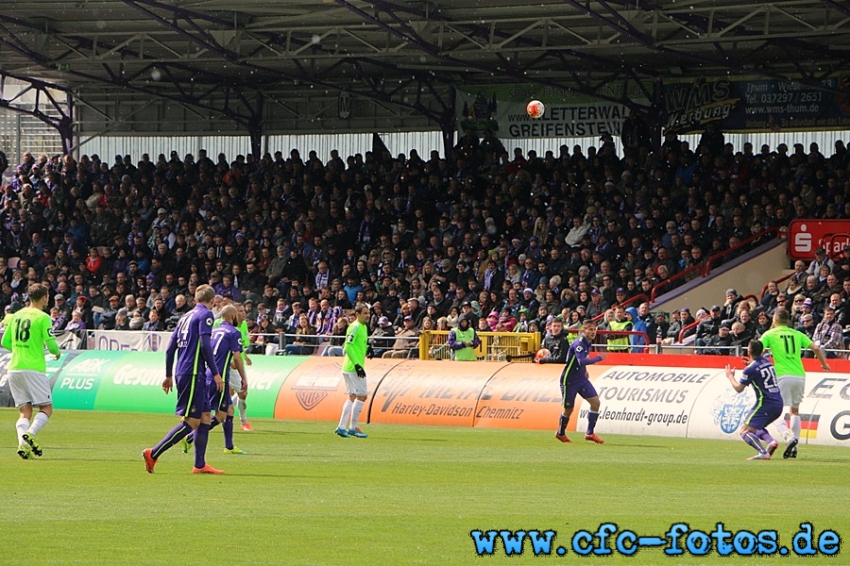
(186, 50)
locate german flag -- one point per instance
(808, 425)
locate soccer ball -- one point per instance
(541, 353)
(535, 109)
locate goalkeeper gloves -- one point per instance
(370, 352)
(360, 371)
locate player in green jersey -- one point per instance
(238, 389)
(26, 334)
(240, 394)
(786, 346)
(354, 350)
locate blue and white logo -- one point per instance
(730, 409)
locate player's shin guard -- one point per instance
(753, 441)
(764, 435)
(796, 426)
(782, 427)
(356, 408)
(592, 417)
(174, 436)
(38, 422)
(243, 410)
(346, 414)
(21, 427)
(227, 427)
(202, 434)
(562, 424)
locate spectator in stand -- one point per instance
(382, 338)
(710, 326)
(719, 344)
(732, 301)
(798, 277)
(597, 305)
(76, 322)
(808, 308)
(821, 259)
(122, 320)
(771, 296)
(304, 342)
(829, 334)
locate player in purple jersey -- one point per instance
(574, 381)
(190, 341)
(227, 349)
(761, 374)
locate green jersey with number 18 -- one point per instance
(26, 334)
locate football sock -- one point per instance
(796, 425)
(174, 436)
(346, 414)
(592, 417)
(38, 422)
(214, 422)
(562, 425)
(21, 426)
(753, 441)
(202, 434)
(243, 411)
(227, 427)
(355, 412)
(764, 435)
(782, 427)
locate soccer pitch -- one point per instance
(405, 495)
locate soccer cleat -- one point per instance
(24, 450)
(593, 438)
(562, 437)
(207, 469)
(150, 462)
(357, 433)
(29, 438)
(791, 449)
(341, 432)
(760, 456)
(771, 448)
(234, 450)
(246, 427)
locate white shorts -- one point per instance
(354, 385)
(792, 388)
(235, 381)
(29, 387)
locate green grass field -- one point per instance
(403, 496)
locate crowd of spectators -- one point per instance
(510, 238)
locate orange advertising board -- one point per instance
(315, 390)
(431, 393)
(526, 397)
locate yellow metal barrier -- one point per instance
(433, 345)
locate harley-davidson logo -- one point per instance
(310, 399)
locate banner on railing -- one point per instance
(654, 395)
(128, 340)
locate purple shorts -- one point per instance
(219, 400)
(583, 388)
(762, 415)
(192, 397)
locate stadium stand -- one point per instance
(517, 235)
